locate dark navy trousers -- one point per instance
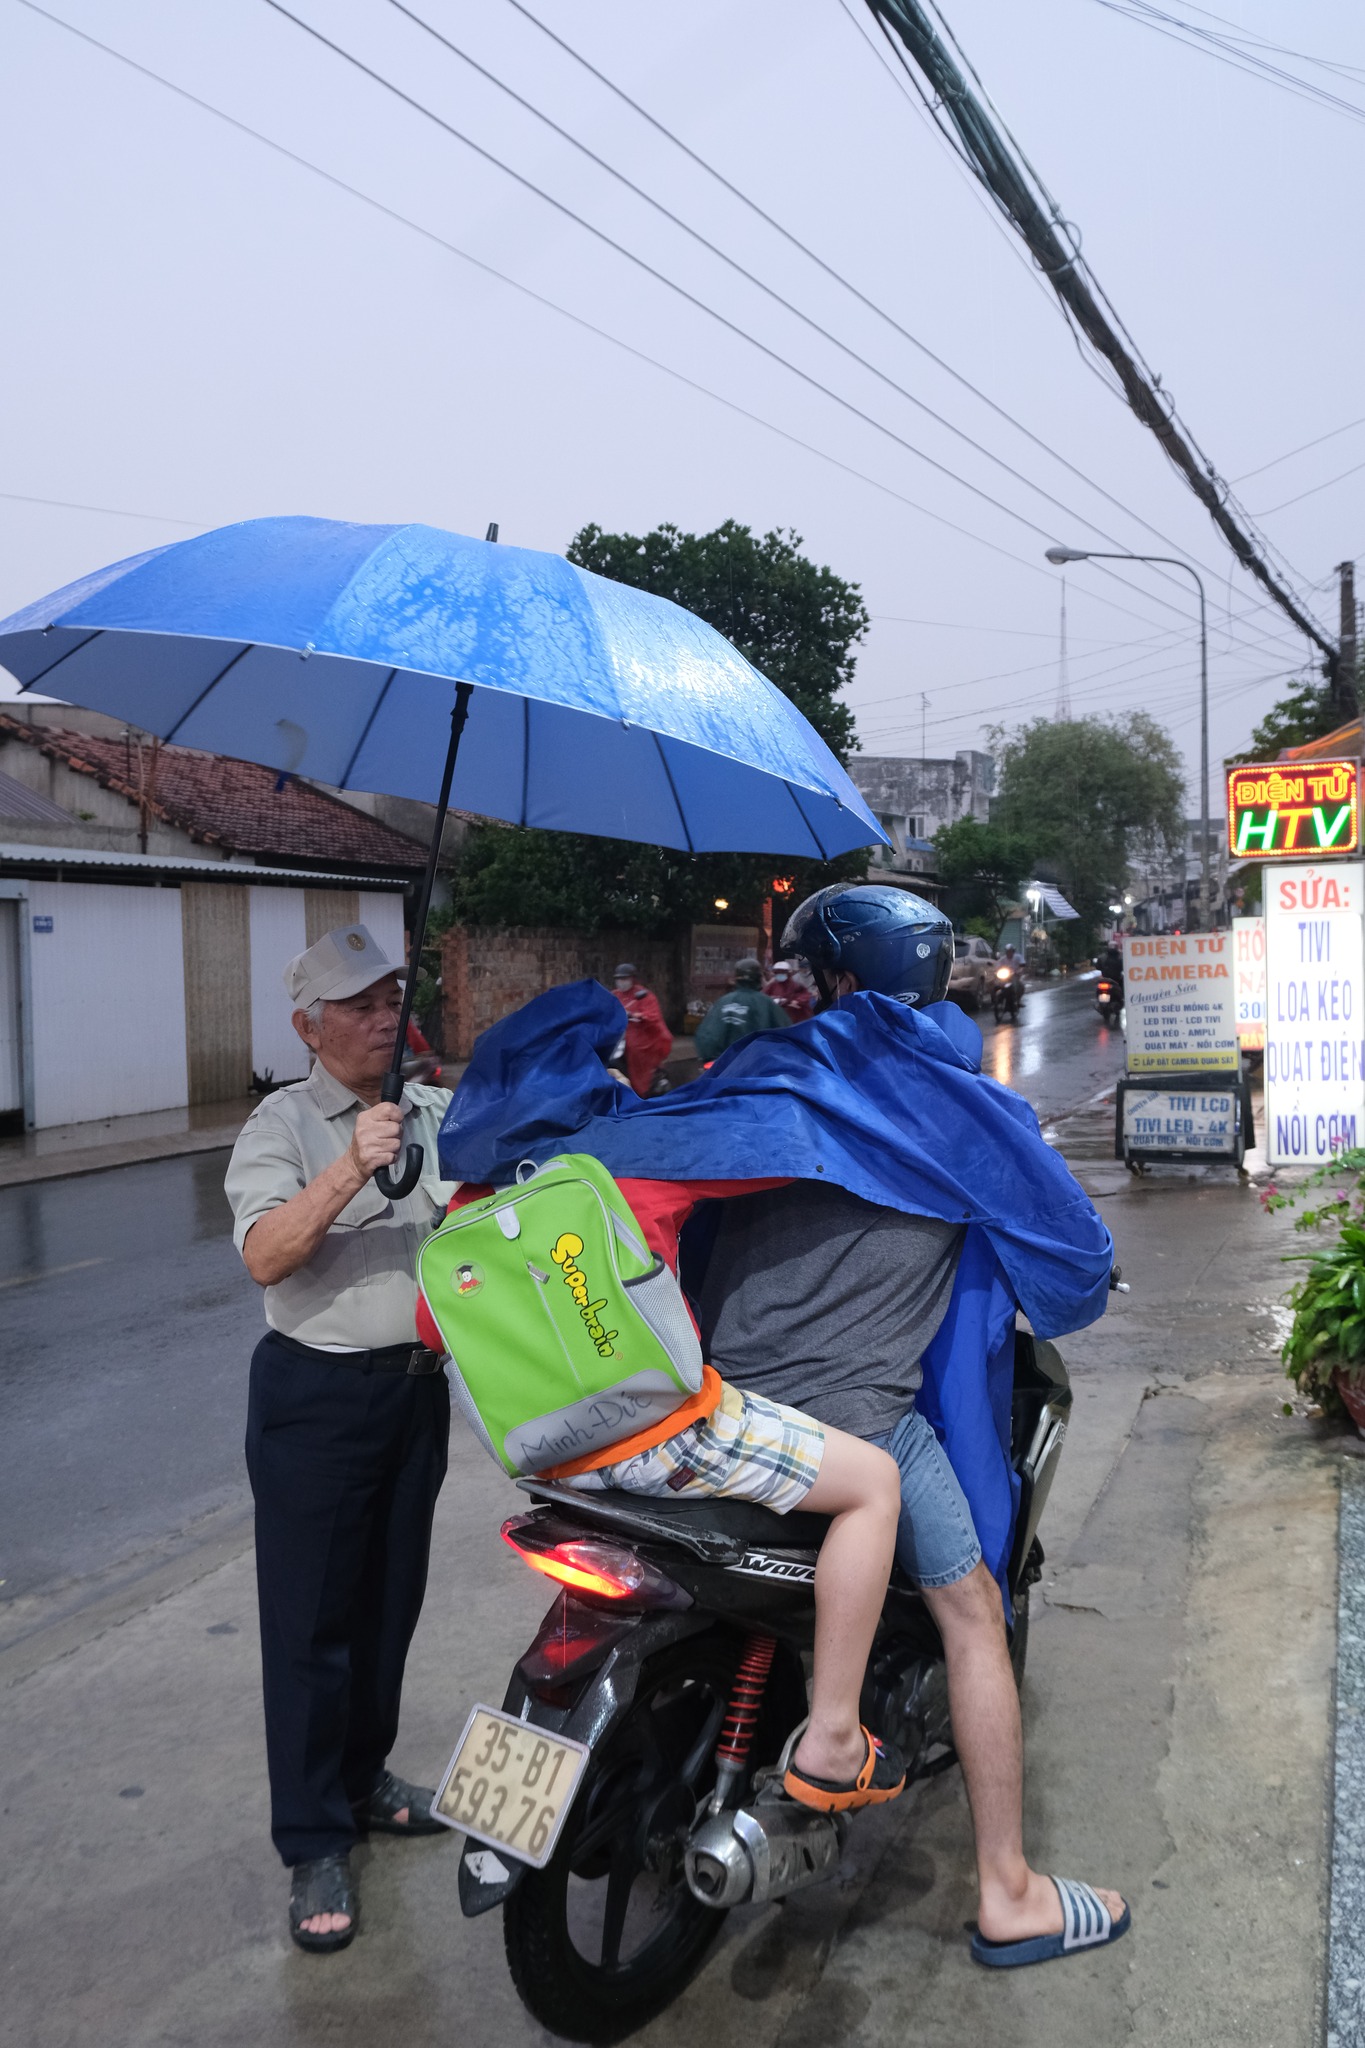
(345, 1466)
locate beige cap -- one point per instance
(341, 964)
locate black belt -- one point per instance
(415, 1360)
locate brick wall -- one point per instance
(487, 973)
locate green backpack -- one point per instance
(566, 1334)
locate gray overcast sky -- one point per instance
(200, 330)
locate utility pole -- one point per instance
(1063, 711)
(1345, 694)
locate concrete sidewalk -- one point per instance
(65, 1149)
(1178, 1709)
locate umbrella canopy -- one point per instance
(329, 649)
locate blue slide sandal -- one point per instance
(1086, 1923)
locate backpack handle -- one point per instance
(526, 1170)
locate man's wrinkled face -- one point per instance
(354, 1038)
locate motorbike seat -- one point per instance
(705, 1525)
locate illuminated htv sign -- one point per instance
(1278, 810)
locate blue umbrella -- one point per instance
(330, 649)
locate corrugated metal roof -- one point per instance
(18, 801)
(200, 870)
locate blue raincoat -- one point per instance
(887, 1102)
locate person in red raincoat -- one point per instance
(649, 1042)
(790, 994)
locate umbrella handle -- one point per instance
(397, 1184)
(406, 1181)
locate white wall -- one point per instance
(108, 1001)
(11, 1063)
(381, 911)
(277, 934)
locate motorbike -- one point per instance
(1007, 990)
(671, 1673)
(1109, 998)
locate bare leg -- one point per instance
(860, 1487)
(1016, 1901)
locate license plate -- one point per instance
(511, 1785)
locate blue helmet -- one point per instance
(889, 940)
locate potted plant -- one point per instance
(1324, 1353)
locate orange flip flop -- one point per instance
(881, 1778)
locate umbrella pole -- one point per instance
(396, 1185)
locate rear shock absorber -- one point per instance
(741, 1719)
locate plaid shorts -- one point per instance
(747, 1449)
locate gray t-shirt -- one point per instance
(826, 1302)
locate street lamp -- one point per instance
(1059, 556)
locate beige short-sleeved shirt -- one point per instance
(359, 1289)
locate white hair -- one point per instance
(313, 1011)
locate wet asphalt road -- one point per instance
(127, 1324)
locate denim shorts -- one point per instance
(936, 1543)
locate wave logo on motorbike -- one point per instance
(568, 1249)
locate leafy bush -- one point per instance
(1327, 1335)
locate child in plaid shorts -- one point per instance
(750, 1448)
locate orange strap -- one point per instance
(695, 1409)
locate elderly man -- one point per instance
(348, 1418)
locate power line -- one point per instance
(1312, 490)
(1225, 50)
(114, 511)
(1243, 35)
(1302, 449)
(962, 626)
(773, 354)
(691, 298)
(1056, 246)
(1074, 302)
(795, 242)
(430, 235)
(539, 298)
(1037, 667)
(1036, 699)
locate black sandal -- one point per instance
(322, 1885)
(375, 1815)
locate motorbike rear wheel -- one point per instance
(608, 1934)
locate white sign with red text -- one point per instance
(1315, 1011)
(1179, 1013)
(1248, 956)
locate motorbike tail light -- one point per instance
(1104, 988)
(591, 1565)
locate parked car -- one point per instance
(969, 981)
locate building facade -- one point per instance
(149, 901)
(914, 799)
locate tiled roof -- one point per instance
(220, 802)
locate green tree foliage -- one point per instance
(510, 875)
(1307, 713)
(797, 623)
(983, 866)
(1085, 794)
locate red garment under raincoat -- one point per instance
(649, 1042)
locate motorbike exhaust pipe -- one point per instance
(761, 1852)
